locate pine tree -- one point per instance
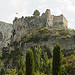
(21, 64)
(46, 64)
(29, 62)
(56, 70)
(37, 56)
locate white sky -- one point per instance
(9, 8)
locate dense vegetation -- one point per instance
(42, 63)
(39, 57)
(43, 34)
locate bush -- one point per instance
(64, 33)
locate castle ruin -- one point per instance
(23, 26)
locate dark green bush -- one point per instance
(56, 70)
(29, 62)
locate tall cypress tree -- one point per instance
(56, 70)
(29, 62)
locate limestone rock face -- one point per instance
(5, 33)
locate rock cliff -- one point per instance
(5, 33)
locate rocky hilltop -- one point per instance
(48, 27)
(30, 32)
(23, 26)
(5, 33)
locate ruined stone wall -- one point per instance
(65, 22)
(57, 21)
(60, 21)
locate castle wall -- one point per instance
(60, 21)
(57, 21)
(65, 22)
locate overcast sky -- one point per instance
(9, 8)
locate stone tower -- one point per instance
(49, 22)
(48, 14)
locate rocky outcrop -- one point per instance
(5, 33)
(67, 43)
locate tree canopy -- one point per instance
(36, 13)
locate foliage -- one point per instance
(2, 72)
(5, 52)
(72, 31)
(42, 62)
(68, 64)
(11, 72)
(36, 13)
(43, 34)
(21, 65)
(64, 33)
(0, 53)
(56, 60)
(46, 64)
(38, 73)
(34, 39)
(59, 27)
(20, 72)
(1, 64)
(37, 56)
(29, 62)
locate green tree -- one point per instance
(37, 57)
(20, 72)
(46, 64)
(56, 70)
(2, 72)
(21, 65)
(29, 62)
(1, 66)
(36, 13)
(41, 65)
